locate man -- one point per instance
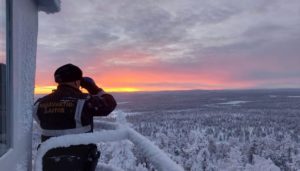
(69, 111)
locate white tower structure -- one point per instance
(18, 44)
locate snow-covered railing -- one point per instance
(156, 156)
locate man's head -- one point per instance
(68, 74)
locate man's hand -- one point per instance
(90, 85)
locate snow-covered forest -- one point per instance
(210, 130)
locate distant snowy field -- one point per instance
(255, 130)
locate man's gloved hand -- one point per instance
(90, 85)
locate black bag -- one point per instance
(74, 158)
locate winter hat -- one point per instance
(67, 73)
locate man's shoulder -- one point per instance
(43, 98)
(57, 96)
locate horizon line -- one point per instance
(166, 90)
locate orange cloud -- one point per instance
(44, 89)
(154, 77)
(130, 71)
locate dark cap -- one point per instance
(67, 73)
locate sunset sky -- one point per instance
(146, 45)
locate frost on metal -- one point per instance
(157, 157)
(49, 6)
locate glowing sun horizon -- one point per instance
(49, 89)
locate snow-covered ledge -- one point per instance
(49, 6)
(157, 157)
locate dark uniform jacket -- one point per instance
(69, 111)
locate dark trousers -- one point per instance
(74, 158)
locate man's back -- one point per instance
(69, 111)
(63, 110)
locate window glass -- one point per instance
(3, 80)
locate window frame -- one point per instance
(8, 77)
(9, 71)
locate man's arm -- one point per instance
(99, 103)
